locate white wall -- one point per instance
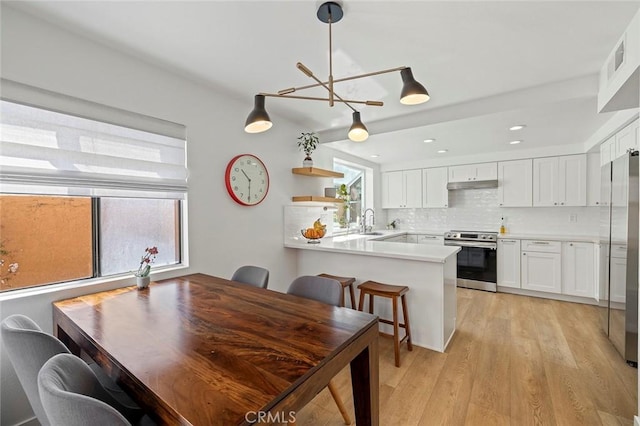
(223, 235)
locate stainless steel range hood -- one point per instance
(473, 184)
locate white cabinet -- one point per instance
(618, 273)
(541, 266)
(626, 139)
(605, 150)
(593, 179)
(578, 269)
(560, 181)
(402, 189)
(483, 171)
(509, 263)
(434, 188)
(515, 183)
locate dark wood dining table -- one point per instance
(203, 350)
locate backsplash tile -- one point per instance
(477, 210)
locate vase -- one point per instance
(143, 282)
(307, 162)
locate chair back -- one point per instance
(252, 275)
(72, 395)
(325, 290)
(29, 348)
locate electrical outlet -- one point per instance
(573, 217)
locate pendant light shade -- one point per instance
(258, 120)
(358, 131)
(413, 93)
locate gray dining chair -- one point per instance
(252, 275)
(72, 395)
(29, 348)
(329, 291)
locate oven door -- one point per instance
(477, 265)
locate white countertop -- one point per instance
(363, 245)
(551, 237)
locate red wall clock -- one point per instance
(247, 179)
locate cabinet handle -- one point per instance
(508, 241)
(562, 204)
(540, 242)
(500, 203)
(524, 254)
(446, 205)
(555, 204)
(570, 244)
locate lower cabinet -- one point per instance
(541, 270)
(578, 269)
(509, 263)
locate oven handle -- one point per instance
(492, 246)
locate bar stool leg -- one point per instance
(341, 407)
(407, 328)
(371, 303)
(361, 304)
(353, 297)
(396, 332)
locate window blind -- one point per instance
(52, 152)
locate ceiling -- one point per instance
(487, 65)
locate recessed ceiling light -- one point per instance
(442, 151)
(515, 142)
(518, 127)
(429, 140)
(375, 155)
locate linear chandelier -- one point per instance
(412, 93)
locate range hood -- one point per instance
(473, 184)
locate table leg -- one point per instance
(365, 385)
(73, 347)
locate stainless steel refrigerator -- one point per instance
(619, 255)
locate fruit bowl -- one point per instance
(312, 238)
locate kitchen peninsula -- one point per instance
(428, 270)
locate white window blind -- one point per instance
(51, 152)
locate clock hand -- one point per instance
(245, 175)
(249, 190)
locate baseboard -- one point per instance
(34, 422)
(636, 421)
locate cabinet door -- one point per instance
(605, 151)
(541, 271)
(593, 179)
(486, 171)
(618, 273)
(434, 188)
(413, 188)
(515, 183)
(578, 269)
(461, 173)
(572, 182)
(509, 263)
(545, 181)
(392, 190)
(626, 139)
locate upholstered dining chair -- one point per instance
(29, 348)
(72, 395)
(252, 275)
(327, 291)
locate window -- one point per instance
(82, 197)
(354, 189)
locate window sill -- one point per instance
(124, 279)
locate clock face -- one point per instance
(247, 180)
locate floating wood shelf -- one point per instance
(315, 198)
(313, 171)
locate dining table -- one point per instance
(204, 350)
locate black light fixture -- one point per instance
(413, 93)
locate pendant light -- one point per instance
(413, 93)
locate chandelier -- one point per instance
(412, 93)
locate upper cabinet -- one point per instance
(560, 181)
(483, 171)
(619, 85)
(434, 188)
(606, 148)
(515, 183)
(402, 189)
(593, 179)
(626, 139)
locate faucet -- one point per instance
(366, 228)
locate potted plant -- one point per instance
(343, 208)
(142, 274)
(308, 142)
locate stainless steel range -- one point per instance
(477, 267)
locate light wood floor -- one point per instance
(514, 360)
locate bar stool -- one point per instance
(392, 292)
(344, 282)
